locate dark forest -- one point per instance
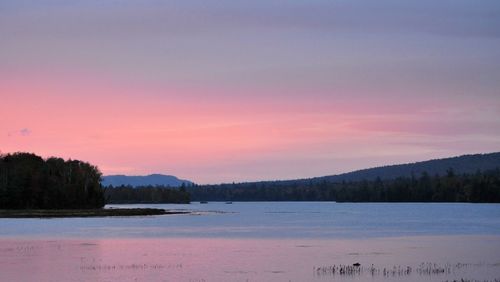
(479, 187)
(27, 181)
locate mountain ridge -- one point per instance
(468, 163)
(155, 179)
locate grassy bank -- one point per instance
(84, 213)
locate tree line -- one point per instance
(451, 187)
(28, 181)
(460, 165)
(146, 195)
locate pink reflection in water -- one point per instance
(243, 259)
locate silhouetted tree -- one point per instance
(451, 187)
(29, 182)
(146, 194)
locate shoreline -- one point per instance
(86, 213)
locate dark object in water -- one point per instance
(203, 202)
(229, 202)
(356, 264)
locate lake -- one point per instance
(260, 241)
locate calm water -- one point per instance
(260, 242)
(294, 220)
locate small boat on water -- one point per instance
(229, 202)
(203, 202)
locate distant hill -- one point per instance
(461, 164)
(153, 180)
(475, 178)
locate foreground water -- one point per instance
(260, 242)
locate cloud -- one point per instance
(25, 132)
(22, 132)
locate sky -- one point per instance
(223, 91)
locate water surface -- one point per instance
(275, 220)
(265, 241)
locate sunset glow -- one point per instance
(240, 92)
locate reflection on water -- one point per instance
(176, 259)
(260, 242)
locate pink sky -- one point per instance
(247, 103)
